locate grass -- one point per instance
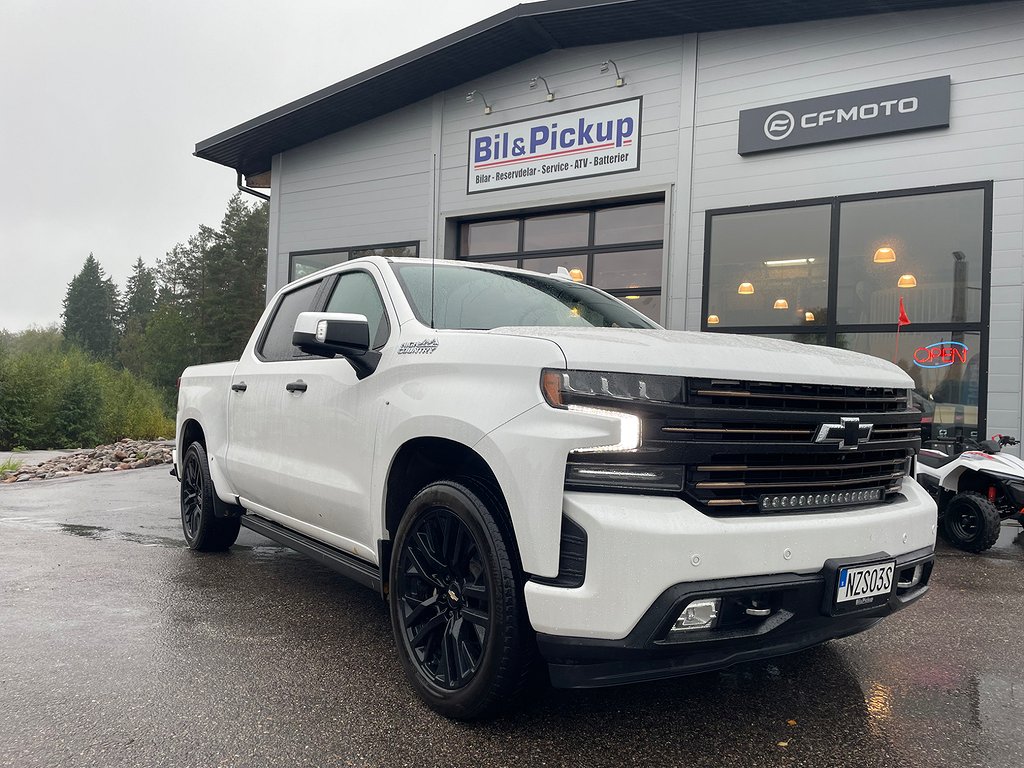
(10, 465)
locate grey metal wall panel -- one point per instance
(980, 47)
(369, 184)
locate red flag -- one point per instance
(903, 319)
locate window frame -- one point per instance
(328, 294)
(521, 255)
(294, 255)
(319, 297)
(831, 328)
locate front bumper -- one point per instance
(800, 618)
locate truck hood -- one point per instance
(714, 355)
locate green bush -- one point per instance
(54, 398)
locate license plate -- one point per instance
(859, 585)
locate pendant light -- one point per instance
(907, 281)
(713, 320)
(884, 255)
(745, 289)
(781, 304)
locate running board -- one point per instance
(355, 568)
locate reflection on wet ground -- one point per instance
(112, 654)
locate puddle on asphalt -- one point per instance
(94, 532)
(98, 533)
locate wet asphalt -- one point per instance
(120, 647)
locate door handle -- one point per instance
(239, 387)
(296, 386)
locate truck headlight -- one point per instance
(625, 397)
(614, 395)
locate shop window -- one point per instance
(550, 264)
(928, 247)
(303, 263)
(563, 230)
(946, 369)
(770, 268)
(482, 238)
(629, 224)
(617, 248)
(628, 269)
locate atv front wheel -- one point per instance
(970, 522)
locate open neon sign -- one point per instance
(941, 354)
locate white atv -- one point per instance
(975, 490)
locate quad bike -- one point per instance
(975, 488)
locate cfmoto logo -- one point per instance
(779, 125)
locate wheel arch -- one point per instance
(192, 431)
(423, 460)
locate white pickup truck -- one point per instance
(538, 478)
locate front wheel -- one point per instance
(203, 530)
(457, 604)
(970, 522)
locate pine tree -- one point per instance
(91, 311)
(139, 296)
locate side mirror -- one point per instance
(327, 334)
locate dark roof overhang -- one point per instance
(497, 42)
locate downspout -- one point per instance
(243, 188)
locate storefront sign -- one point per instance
(569, 145)
(888, 109)
(941, 354)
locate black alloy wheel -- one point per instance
(446, 605)
(970, 522)
(203, 529)
(456, 600)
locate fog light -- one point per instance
(698, 614)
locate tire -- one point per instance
(456, 600)
(203, 530)
(970, 522)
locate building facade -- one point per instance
(818, 179)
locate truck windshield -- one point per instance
(468, 298)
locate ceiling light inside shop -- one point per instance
(885, 255)
(745, 289)
(631, 298)
(809, 317)
(576, 274)
(713, 320)
(781, 304)
(907, 281)
(788, 262)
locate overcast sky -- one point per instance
(102, 103)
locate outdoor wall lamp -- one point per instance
(619, 80)
(533, 84)
(473, 94)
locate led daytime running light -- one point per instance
(629, 430)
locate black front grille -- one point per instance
(749, 440)
(776, 396)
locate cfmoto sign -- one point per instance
(779, 124)
(888, 109)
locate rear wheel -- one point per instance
(970, 522)
(204, 531)
(457, 603)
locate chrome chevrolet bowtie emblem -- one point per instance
(848, 433)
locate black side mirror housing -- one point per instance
(327, 334)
